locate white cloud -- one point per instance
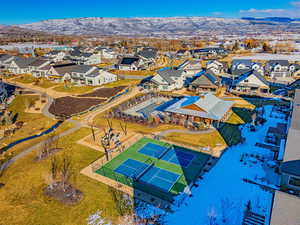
(293, 11)
(296, 4)
(267, 11)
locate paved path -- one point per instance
(166, 132)
(77, 126)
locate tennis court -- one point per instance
(170, 154)
(148, 174)
(155, 167)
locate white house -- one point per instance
(37, 68)
(100, 77)
(56, 56)
(168, 80)
(216, 67)
(5, 60)
(252, 82)
(278, 69)
(70, 72)
(106, 53)
(191, 67)
(130, 63)
(20, 65)
(83, 58)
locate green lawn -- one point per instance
(187, 175)
(22, 199)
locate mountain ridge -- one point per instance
(161, 26)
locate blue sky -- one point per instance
(27, 11)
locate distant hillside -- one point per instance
(171, 26)
(15, 32)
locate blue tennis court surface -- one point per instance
(160, 178)
(131, 168)
(148, 174)
(172, 155)
(153, 150)
(179, 157)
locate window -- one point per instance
(294, 181)
(246, 81)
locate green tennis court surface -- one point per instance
(155, 167)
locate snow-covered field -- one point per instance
(222, 194)
(270, 57)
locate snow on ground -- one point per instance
(222, 194)
(262, 56)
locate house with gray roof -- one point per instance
(278, 69)
(84, 58)
(70, 72)
(168, 79)
(205, 82)
(286, 204)
(205, 108)
(241, 66)
(217, 67)
(5, 60)
(191, 67)
(21, 65)
(100, 77)
(55, 55)
(251, 83)
(37, 67)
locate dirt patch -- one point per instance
(105, 92)
(68, 106)
(66, 194)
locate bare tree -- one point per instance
(212, 217)
(46, 148)
(123, 126)
(54, 170)
(66, 170)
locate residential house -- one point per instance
(167, 80)
(251, 82)
(208, 52)
(247, 64)
(183, 53)
(148, 55)
(56, 55)
(5, 60)
(295, 70)
(217, 67)
(37, 68)
(100, 77)
(129, 63)
(278, 69)
(191, 67)
(290, 157)
(205, 82)
(106, 53)
(70, 72)
(20, 65)
(205, 109)
(84, 58)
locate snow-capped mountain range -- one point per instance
(155, 26)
